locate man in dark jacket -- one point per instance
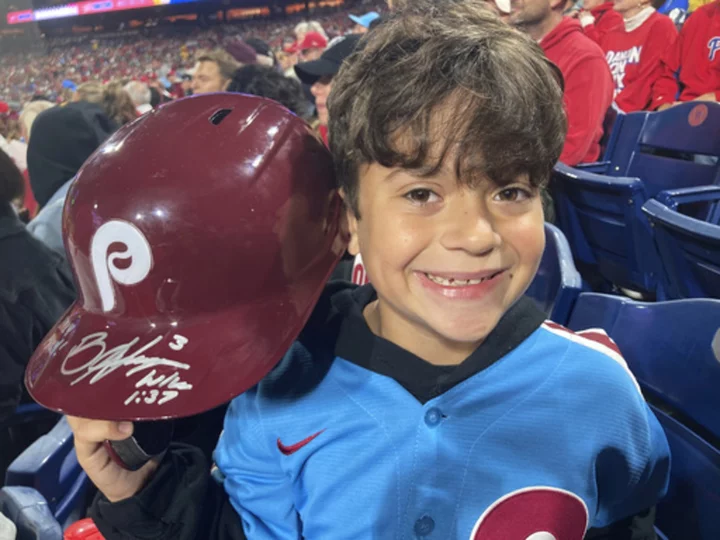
(36, 287)
(62, 139)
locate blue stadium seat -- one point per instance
(689, 247)
(602, 219)
(701, 202)
(598, 206)
(19, 430)
(30, 513)
(623, 139)
(557, 282)
(668, 346)
(660, 148)
(50, 466)
(670, 5)
(27, 413)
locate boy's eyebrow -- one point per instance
(422, 172)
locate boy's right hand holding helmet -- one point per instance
(115, 482)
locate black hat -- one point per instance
(62, 139)
(260, 46)
(330, 61)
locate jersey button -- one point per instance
(433, 417)
(424, 526)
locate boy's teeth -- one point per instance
(454, 282)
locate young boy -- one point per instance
(436, 402)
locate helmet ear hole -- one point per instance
(219, 116)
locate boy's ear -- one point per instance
(352, 225)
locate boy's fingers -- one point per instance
(97, 431)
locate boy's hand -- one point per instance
(112, 480)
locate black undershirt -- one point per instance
(356, 343)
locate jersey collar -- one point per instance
(357, 344)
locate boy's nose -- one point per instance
(470, 230)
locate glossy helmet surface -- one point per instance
(201, 236)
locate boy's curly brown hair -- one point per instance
(447, 78)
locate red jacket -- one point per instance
(695, 57)
(606, 19)
(634, 59)
(29, 202)
(588, 89)
(323, 130)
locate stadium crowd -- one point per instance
(135, 56)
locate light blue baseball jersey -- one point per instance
(541, 434)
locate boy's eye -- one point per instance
(513, 194)
(421, 196)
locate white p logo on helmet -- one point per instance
(137, 248)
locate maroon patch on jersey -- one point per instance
(538, 513)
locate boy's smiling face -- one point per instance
(447, 259)
(440, 161)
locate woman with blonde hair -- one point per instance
(10, 140)
(29, 114)
(91, 92)
(315, 26)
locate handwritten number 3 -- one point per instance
(179, 343)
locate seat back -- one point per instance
(611, 124)
(28, 413)
(603, 221)
(557, 282)
(30, 513)
(50, 466)
(689, 251)
(701, 202)
(690, 506)
(669, 348)
(678, 148)
(623, 141)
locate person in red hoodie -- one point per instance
(588, 83)
(690, 70)
(633, 52)
(598, 18)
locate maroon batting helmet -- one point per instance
(201, 236)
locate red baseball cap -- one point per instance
(313, 40)
(293, 48)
